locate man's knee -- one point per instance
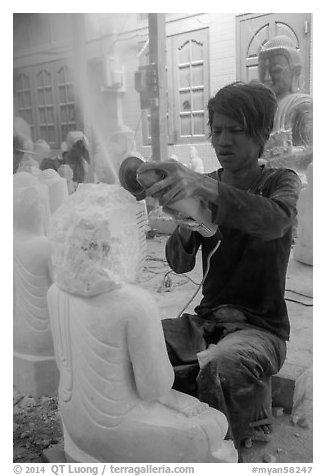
(235, 363)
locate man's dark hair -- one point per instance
(253, 105)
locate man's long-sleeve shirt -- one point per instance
(248, 270)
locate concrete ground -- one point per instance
(291, 442)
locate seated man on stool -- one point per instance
(227, 352)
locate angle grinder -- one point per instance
(190, 211)
(128, 177)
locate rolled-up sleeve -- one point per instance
(180, 260)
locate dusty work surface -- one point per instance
(37, 429)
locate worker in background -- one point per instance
(77, 155)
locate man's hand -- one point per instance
(179, 181)
(181, 219)
(186, 225)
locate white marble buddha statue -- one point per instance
(57, 186)
(115, 395)
(35, 371)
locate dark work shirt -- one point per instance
(248, 270)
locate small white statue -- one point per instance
(28, 162)
(196, 163)
(115, 394)
(42, 151)
(35, 370)
(57, 186)
(303, 249)
(65, 171)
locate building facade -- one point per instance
(77, 71)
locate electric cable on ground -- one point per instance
(204, 277)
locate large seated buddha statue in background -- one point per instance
(115, 394)
(280, 67)
(35, 371)
(291, 141)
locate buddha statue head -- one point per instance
(280, 65)
(94, 235)
(42, 150)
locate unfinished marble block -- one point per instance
(303, 249)
(100, 243)
(115, 394)
(35, 369)
(57, 186)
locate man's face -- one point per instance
(277, 73)
(235, 150)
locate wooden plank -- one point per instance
(282, 393)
